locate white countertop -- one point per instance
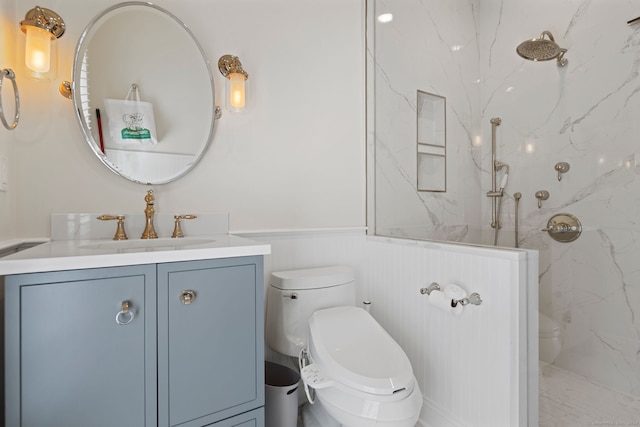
(59, 255)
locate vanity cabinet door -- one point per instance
(69, 362)
(210, 340)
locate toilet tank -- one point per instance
(294, 295)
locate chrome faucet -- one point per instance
(149, 232)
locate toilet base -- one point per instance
(316, 416)
(549, 349)
(550, 338)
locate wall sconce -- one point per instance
(231, 67)
(43, 28)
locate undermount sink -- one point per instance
(166, 242)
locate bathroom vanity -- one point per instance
(101, 334)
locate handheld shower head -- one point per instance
(505, 178)
(542, 49)
(500, 165)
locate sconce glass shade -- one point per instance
(42, 27)
(37, 54)
(236, 94)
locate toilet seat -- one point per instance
(368, 360)
(361, 376)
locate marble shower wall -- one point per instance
(582, 114)
(429, 46)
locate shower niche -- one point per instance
(431, 142)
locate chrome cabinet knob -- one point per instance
(186, 297)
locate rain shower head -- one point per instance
(542, 49)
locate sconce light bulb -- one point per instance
(236, 90)
(38, 50)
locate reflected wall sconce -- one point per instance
(231, 67)
(43, 27)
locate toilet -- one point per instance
(355, 374)
(550, 335)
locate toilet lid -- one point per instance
(547, 327)
(312, 278)
(352, 348)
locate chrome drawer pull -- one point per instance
(125, 315)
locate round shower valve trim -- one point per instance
(564, 228)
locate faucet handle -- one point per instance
(177, 230)
(120, 233)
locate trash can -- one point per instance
(281, 399)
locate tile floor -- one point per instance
(571, 400)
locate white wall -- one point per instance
(8, 30)
(295, 159)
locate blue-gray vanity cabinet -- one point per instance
(211, 347)
(248, 419)
(68, 362)
(189, 362)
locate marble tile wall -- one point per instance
(429, 46)
(583, 114)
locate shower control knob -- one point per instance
(541, 195)
(562, 167)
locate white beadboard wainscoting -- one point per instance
(479, 369)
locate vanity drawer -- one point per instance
(248, 419)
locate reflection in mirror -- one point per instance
(140, 44)
(432, 142)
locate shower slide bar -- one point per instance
(517, 196)
(496, 192)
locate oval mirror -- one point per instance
(158, 131)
